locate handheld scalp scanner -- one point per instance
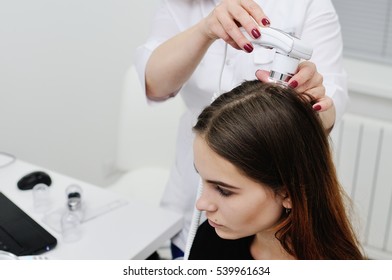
(289, 51)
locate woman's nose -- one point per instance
(206, 202)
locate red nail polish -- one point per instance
(317, 107)
(265, 22)
(256, 33)
(293, 84)
(248, 48)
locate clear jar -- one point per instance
(72, 218)
(71, 226)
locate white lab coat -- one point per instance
(314, 21)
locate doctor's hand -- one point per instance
(224, 22)
(310, 81)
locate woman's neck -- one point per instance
(265, 246)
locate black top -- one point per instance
(207, 245)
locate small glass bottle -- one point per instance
(41, 198)
(73, 215)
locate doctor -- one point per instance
(185, 53)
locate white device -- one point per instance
(289, 51)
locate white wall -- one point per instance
(370, 89)
(62, 64)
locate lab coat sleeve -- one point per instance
(163, 27)
(322, 30)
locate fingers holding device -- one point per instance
(224, 21)
(288, 69)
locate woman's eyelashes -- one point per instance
(222, 191)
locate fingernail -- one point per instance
(317, 107)
(256, 33)
(257, 71)
(293, 84)
(248, 48)
(265, 22)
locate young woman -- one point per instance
(270, 189)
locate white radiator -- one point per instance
(363, 157)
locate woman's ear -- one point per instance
(286, 202)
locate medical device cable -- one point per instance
(194, 224)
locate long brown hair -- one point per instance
(273, 136)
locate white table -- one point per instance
(131, 231)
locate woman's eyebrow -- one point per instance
(221, 184)
(216, 182)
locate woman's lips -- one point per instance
(213, 224)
